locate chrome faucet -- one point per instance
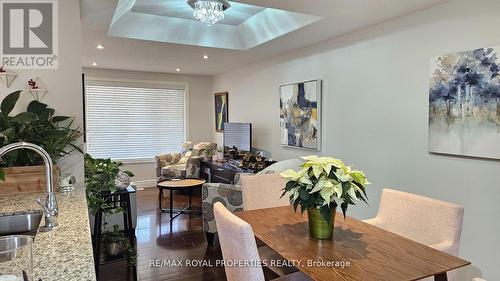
(50, 209)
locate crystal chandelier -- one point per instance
(209, 11)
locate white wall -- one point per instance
(200, 109)
(64, 83)
(375, 113)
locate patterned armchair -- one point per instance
(228, 194)
(231, 195)
(185, 164)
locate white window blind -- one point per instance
(133, 121)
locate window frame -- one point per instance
(140, 83)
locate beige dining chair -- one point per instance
(260, 192)
(238, 244)
(435, 223)
(263, 191)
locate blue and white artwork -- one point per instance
(300, 115)
(464, 103)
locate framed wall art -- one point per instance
(221, 110)
(464, 103)
(300, 115)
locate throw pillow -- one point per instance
(196, 152)
(187, 146)
(185, 158)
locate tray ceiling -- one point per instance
(244, 27)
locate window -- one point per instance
(134, 121)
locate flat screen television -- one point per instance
(238, 135)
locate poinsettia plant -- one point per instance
(323, 183)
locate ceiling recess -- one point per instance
(209, 11)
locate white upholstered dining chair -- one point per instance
(263, 191)
(260, 192)
(238, 244)
(432, 222)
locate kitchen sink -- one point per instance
(26, 224)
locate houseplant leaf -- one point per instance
(327, 193)
(46, 114)
(56, 119)
(129, 173)
(36, 107)
(9, 102)
(7, 133)
(24, 117)
(343, 206)
(290, 174)
(317, 170)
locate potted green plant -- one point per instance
(209, 153)
(117, 245)
(103, 175)
(38, 125)
(114, 241)
(253, 162)
(321, 184)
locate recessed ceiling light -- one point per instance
(94, 64)
(100, 47)
(205, 57)
(178, 69)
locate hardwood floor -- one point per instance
(183, 240)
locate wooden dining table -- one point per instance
(358, 250)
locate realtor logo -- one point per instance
(28, 34)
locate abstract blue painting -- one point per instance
(300, 115)
(464, 103)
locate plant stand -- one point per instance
(119, 199)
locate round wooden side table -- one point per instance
(178, 184)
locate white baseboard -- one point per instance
(145, 183)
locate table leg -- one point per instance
(190, 195)
(171, 204)
(179, 211)
(160, 197)
(441, 277)
(210, 239)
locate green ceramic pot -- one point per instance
(318, 228)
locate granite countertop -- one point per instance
(65, 253)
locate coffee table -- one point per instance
(178, 184)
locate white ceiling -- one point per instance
(339, 17)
